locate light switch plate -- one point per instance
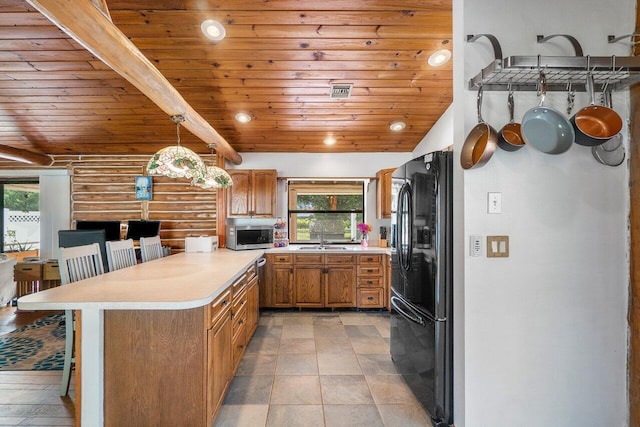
(494, 203)
(497, 246)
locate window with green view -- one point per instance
(325, 210)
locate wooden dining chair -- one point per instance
(150, 248)
(75, 263)
(120, 254)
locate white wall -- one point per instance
(544, 330)
(439, 137)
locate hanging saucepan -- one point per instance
(481, 142)
(595, 124)
(545, 128)
(510, 138)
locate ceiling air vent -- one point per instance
(341, 90)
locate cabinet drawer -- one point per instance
(251, 273)
(238, 285)
(27, 271)
(219, 307)
(308, 259)
(370, 282)
(238, 343)
(339, 259)
(369, 270)
(369, 259)
(239, 319)
(370, 298)
(239, 300)
(282, 259)
(50, 271)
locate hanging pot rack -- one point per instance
(522, 72)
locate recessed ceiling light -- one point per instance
(243, 117)
(330, 140)
(439, 57)
(397, 126)
(213, 29)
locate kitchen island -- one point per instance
(160, 340)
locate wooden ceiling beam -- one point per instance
(88, 25)
(24, 156)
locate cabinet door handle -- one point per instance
(370, 298)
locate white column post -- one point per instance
(92, 390)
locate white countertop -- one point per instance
(176, 282)
(349, 249)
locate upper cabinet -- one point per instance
(253, 193)
(383, 193)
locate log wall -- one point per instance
(103, 188)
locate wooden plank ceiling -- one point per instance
(276, 63)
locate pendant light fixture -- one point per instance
(176, 161)
(214, 177)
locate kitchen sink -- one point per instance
(323, 248)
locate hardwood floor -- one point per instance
(31, 397)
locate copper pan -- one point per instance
(481, 142)
(595, 124)
(510, 138)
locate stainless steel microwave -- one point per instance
(241, 237)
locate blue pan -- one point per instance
(545, 128)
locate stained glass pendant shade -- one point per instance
(215, 177)
(176, 161)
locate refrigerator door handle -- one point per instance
(398, 235)
(416, 319)
(404, 230)
(410, 227)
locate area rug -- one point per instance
(38, 346)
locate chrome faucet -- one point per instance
(322, 230)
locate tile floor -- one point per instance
(320, 369)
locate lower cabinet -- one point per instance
(220, 366)
(371, 281)
(325, 280)
(278, 281)
(340, 286)
(307, 285)
(173, 367)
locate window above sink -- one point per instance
(322, 211)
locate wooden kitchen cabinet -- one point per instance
(206, 344)
(371, 281)
(340, 286)
(220, 366)
(279, 281)
(327, 280)
(253, 193)
(383, 193)
(308, 280)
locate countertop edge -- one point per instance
(60, 298)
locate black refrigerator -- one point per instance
(421, 281)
